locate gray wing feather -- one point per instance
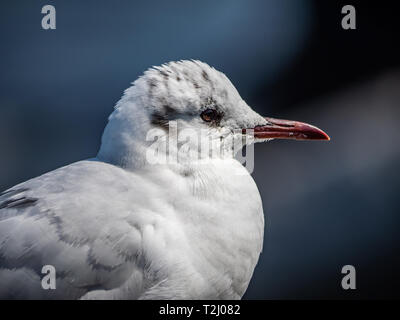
(67, 219)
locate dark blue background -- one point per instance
(326, 204)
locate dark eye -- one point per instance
(209, 115)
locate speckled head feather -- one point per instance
(177, 91)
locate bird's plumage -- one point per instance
(94, 222)
(117, 227)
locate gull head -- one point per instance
(189, 108)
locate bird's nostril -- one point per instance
(280, 124)
(286, 125)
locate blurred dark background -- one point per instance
(326, 204)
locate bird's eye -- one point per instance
(209, 115)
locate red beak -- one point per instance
(286, 129)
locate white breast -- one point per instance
(215, 231)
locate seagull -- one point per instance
(125, 225)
